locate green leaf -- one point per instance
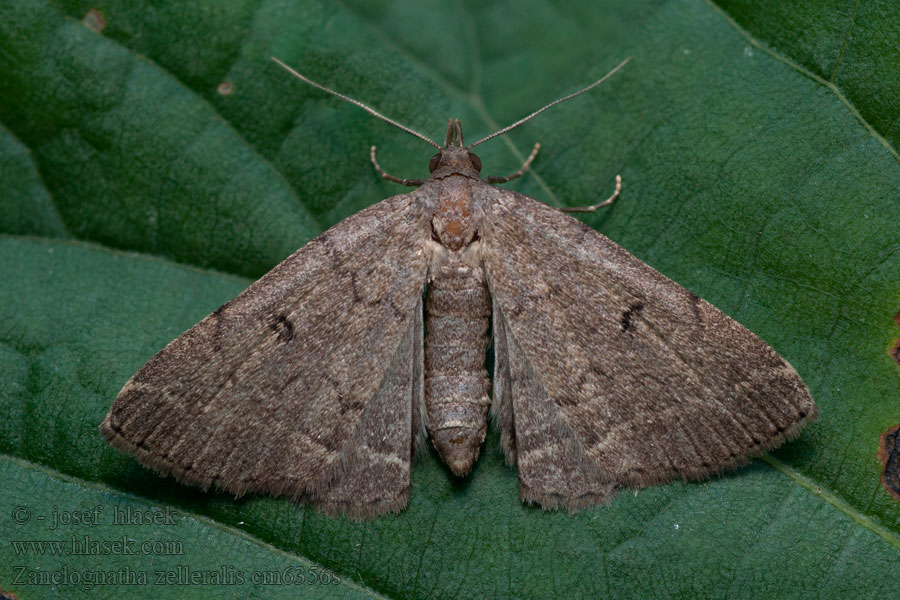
(153, 169)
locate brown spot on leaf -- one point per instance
(895, 347)
(225, 88)
(94, 20)
(889, 455)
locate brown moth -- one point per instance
(318, 382)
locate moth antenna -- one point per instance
(554, 103)
(365, 107)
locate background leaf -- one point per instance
(154, 161)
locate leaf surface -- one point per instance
(153, 169)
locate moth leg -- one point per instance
(606, 202)
(394, 178)
(520, 172)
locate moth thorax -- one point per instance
(454, 224)
(457, 313)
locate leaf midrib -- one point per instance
(807, 73)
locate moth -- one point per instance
(321, 381)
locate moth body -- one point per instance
(457, 312)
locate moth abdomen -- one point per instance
(457, 313)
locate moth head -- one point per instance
(454, 158)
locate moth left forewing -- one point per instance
(278, 390)
(372, 475)
(653, 382)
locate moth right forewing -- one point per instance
(501, 401)
(263, 394)
(553, 468)
(654, 382)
